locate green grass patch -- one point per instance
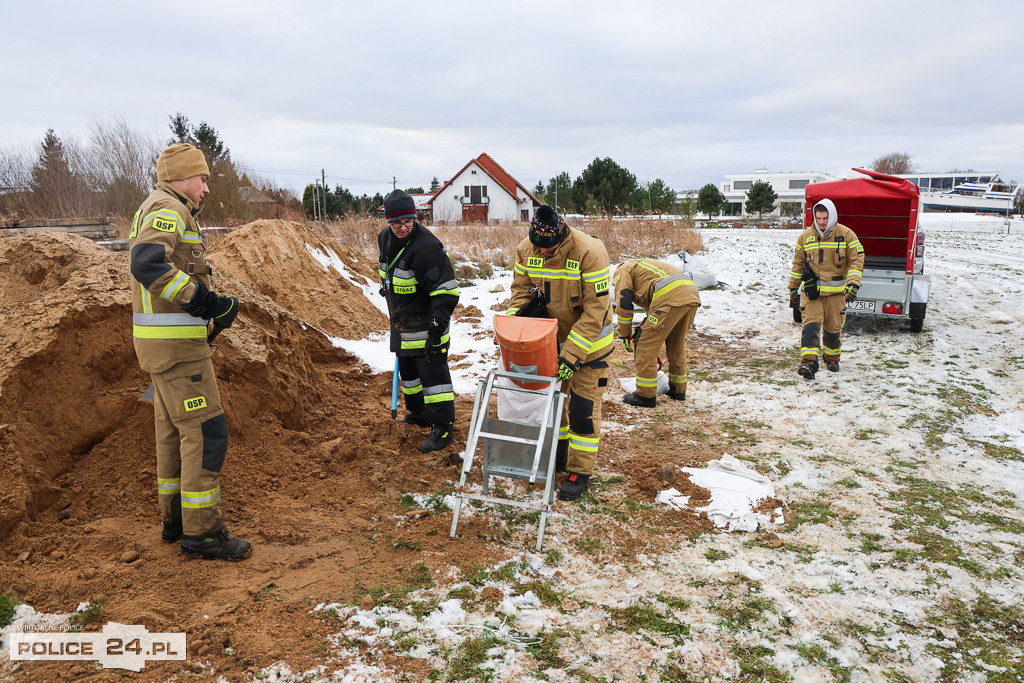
(817, 654)
(405, 543)
(506, 573)
(413, 579)
(644, 617)
(754, 667)
(548, 650)
(90, 615)
(265, 592)
(465, 660)
(7, 606)
(713, 555)
(993, 632)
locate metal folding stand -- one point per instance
(510, 449)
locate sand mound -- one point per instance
(275, 258)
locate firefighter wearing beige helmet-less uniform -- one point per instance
(828, 260)
(172, 305)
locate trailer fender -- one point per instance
(920, 289)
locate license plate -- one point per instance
(868, 306)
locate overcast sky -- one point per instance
(682, 91)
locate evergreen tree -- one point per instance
(56, 190)
(435, 185)
(538, 192)
(611, 186)
(760, 198)
(688, 206)
(662, 198)
(223, 181)
(710, 200)
(414, 190)
(559, 190)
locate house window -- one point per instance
(741, 185)
(797, 184)
(476, 193)
(725, 187)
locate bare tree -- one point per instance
(121, 163)
(894, 163)
(15, 175)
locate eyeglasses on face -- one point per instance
(404, 223)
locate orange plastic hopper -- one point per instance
(528, 345)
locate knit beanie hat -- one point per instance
(547, 229)
(398, 206)
(179, 161)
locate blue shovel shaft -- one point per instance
(394, 392)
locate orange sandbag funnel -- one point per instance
(528, 345)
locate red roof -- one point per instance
(497, 173)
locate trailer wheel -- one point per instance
(916, 324)
(797, 316)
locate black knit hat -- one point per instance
(398, 206)
(547, 229)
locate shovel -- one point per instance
(147, 395)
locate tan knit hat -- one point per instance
(179, 161)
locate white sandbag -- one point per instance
(518, 406)
(698, 269)
(628, 384)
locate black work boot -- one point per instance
(635, 399)
(220, 545)
(172, 531)
(676, 395)
(414, 419)
(808, 369)
(562, 455)
(574, 486)
(440, 437)
(832, 364)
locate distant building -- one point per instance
(483, 192)
(789, 186)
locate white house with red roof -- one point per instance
(483, 192)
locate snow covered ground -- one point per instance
(903, 474)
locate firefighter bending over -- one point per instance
(571, 269)
(671, 301)
(828, 260)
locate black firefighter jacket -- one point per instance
(418, 283)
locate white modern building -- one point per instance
(788, 185)
(483, 192)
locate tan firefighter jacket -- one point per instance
(575, 282)
(167, 257)
(836, 259)
(647, 283)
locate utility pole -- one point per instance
(316, 200)
(394, 183)
(323, 177)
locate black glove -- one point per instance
(434, 334)
(227, 309)
(851, 293)
(203, 303)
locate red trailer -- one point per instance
(882, 210)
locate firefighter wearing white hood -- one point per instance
(828, 261)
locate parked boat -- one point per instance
(995, 197)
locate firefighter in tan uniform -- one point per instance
(671, 300)
(571, 270)
(828, 260)
(172, 305)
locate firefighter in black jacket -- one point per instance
(421, 291)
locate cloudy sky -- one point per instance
(670, 89)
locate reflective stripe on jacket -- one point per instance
(167, 257)
(419, 283)
(837, 259)
(641, 283)
(576, 282)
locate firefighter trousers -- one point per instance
(427, 387)
(191, 442)
(668, 326)
(823, 324)
(581, 415)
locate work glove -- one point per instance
(851, 292)
(434, 333)
(227, 310)
(206, 305)
(794, 297)
(565, 371)
(627, 343)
